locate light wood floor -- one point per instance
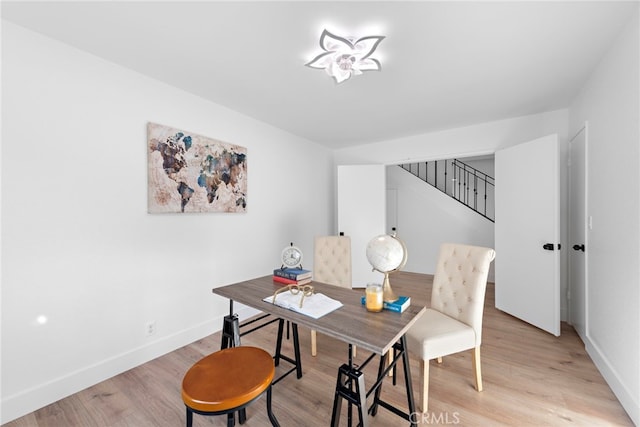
(531, 378)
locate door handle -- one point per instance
(550, 246)
(578, 247)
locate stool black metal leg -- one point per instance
(189, 417)
(242, 415)
(272, 418)
(231, 419)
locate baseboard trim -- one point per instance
(32, 399)
(619, 388)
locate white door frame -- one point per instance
(577, 293)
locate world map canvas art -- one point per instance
(193, 173)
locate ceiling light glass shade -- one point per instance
(343, 58)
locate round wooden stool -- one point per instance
(226, 381)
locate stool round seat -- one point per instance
(227, 379)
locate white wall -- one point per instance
(609, 101)
(484, 138)
(77, 243)
(485, 165)
(426, 217)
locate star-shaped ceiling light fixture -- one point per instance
(344, 57)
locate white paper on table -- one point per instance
(315, 305)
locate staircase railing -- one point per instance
(464, 183)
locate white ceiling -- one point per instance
(444, 64)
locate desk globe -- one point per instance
(386, 254)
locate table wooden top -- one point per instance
(351, 323)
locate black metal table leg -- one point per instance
(407, 380)
(276, 358)
(296, 350)
(349, 384)
(374, 407)
(350, 387)
(337, 402)
(348, 379)
(230, 332)
(230, 329)
(297, 360)
(231, 338)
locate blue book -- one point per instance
(398, 306)
(292, 273)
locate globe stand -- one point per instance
(387, 254)
(387, 292)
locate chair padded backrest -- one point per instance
(332, 260)
(460, 281)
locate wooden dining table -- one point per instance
(379, 333)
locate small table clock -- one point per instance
(291, 257)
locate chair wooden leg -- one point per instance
(314, 348)
(424, 386)
(314, 345)
(476, 368)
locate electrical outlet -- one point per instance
(150, 328)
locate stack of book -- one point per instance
(292, 276)
(398, 306)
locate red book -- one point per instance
(285, 281)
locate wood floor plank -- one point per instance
(530, 377)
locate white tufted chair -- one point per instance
(332, 265)
(454, 321)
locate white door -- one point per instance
(527, 232)
(577, 232)
(362, 211)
